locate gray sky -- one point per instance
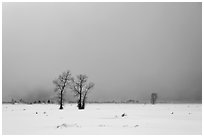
(129, 50)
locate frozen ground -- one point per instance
(102, 119)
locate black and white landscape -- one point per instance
(102, 68)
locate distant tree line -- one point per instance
(21, 101)
(153, 100)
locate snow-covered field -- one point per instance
(102, 119)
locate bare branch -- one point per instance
(90, 85)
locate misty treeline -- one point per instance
(78, 85)
(28, 102)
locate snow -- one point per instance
(109, 119)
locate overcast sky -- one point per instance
(129, 50)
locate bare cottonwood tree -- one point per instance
(153, 98)
(61, 83)
(81, 89)
(87, 89)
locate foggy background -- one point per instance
(129, 50)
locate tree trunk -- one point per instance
(83, 105)
(84, 101)
(79, 102)
(61, 101)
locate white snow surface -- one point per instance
(166, 119)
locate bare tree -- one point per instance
(61, 83)
(87, 89)
(153, 98)
(48, 102)
(81, 89)
(13, 101)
